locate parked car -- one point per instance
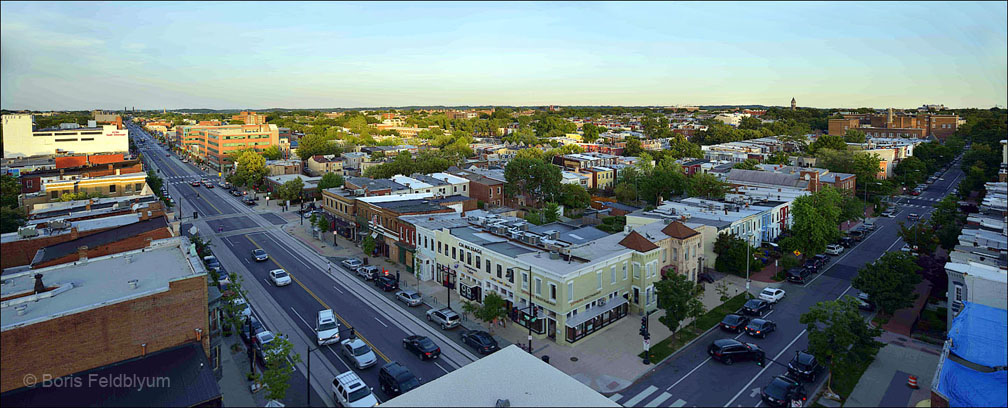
(367, 272)
(409, 297)
(259, 255)
(728, 351)
(243, 305)
(423, 347)
(811, 265)
(772, 295)
(358, 352)
(280, 277)
(804, 367)
(864, 303)
(480, 340)
(734, 323)
(781, 391)
(857, 234)
(906, 248)
(798, 275)
(834, 249)
(395, 379)
(386, 283)
(756, 307)
(248, 201)
(847, 242)
(760, 328)
(262, 342)
(236, 193)
(212, 263)
(446, 318)
(352, 263)
(350, 391)
(247, 335)
(821, 260)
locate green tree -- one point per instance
(889, 281)
(232, 310)
(706, 185)
(535, 178)
(911, 171)
(11, 219)
(625, 192)
(828, 142)
(854, 136)
(291, 190)
(494, 308)
(816, 221)
(313, 144)
(633, 147)
(321, 223)
(748, 164)
(272, 152)
(680, 298)
(250, 169)
(330, 180)
(920, 236)
(368, 244)
(591, 133)
(79, 196)
(731, 255)
(778, 158)
(10, 189)
(838, 336)
(574, 197)
(279, 368)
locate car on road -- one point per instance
(236, 193)
(480, 340)
(423, 347)
(798, 275)
(756, 307)
(834, 249)
(259, 255)
(352, 263)
(847, 242)
(821, 260)
(167, 155)
(913, 217)
(915, 192)
(248, 201)
(803, 367)
(734, 323)
(368, 272)
(195, 183)
(906, 248)
(326, 327)
(395, 379)
(728, 351)
(889, 213)
(350, 391)
(225, 185)
(760, 327)
(781, 391)
(772, 295)
(208, 184)
(446, 318)
(358, 352)
(257, 328)
(409, 297)
(386, 283)
(864, 303)
(280, 277)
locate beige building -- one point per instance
(331, 163)
(21, 140)
(116, 185)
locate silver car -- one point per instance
(368, 272)
(409, 297)
(352, 263)
(359, 352)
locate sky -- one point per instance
(257, 55)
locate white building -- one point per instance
(20, 140)
(732, 119)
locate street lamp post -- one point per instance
(748, 259)
(308, 368)
(532, 312)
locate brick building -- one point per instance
(920, 125)
(488, 190)
(250, 118)
(212, 142)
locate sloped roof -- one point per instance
(678, 230)
(637, 242)
(766, 177)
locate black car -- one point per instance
(856, 234)
(386, 283)
(756, 307)
(423, 347)
(480, 340)
(760, 328)
(781, 391)
(236, 193)
(821, 260)
(803, 367)
(395, 379)
(734, 323)
(728, 351)
(256, 329)
(248, 200)
(864, 303)
(811, 265)
(847, 242)
(798, 275)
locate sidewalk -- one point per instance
(234, 384)
(884, 383)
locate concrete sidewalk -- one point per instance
(234, 384)
(884, 383)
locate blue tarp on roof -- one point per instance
(979, 335)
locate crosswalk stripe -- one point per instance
(616, 397)
(657, 401)
(643, 394)
(678, 403)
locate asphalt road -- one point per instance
(377, 319)
(692, 378)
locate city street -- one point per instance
(693, 379)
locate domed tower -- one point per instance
(794, 104)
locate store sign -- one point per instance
(471, 248)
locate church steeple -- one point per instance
(794, 104)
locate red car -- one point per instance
(195, 183)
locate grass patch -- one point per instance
(845, 380)
(670, 345)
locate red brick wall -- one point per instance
(128, 244)
(94, 338)
(21, 252)
(486, 193)
(105, 158)
(70, 161)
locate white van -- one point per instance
(326, 327)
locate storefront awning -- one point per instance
(596, 312)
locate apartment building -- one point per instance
(920, 125)
(278, 167)
(379, 217)
(737, 152)
(114, 185)
(141, 311)
(78, 167)
(212, 143)
(319, 165)
(250, 118)
(977, 268)
(21, 140)
(485, 189)
(781, 176)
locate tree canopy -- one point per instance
(680, 298)
(535, 178)
(889, 281)
(838, 336)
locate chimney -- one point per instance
(82, 253)
(39, 286)
(73, 233)
(88, 206)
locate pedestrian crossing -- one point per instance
(660, 400)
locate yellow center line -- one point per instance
(380, 354)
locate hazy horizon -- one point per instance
(260, 55)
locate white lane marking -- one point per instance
(337, 289)
(678, 403)
(688, 374)
(442, 368)
(641, 395)
(268, 282)
(746, 387)
(657, 401)
(616, 397)
(302, 319)
(339, 358)
(382, 323)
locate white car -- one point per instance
(352, 263)
(834, 249)
(772, 295)
(358, 352)
(246, 311)
(280, 277)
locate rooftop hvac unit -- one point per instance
(359, 192)
(59, 224)
(28, 231)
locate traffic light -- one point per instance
(761, 361)
(643, 326)
(195, 215)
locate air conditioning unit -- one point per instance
(601, 302)
(59, 224)
(359, 192)
(28, 231)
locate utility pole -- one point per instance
(646, 334)
(531, 310)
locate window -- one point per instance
(636, 270)
(488, 266)
(453, 252)
(664, 254)
(612, 274)
(524, 280)
(468, 258)
(478, 261)
(112, 188)
(647, 295)
(570, 291)
(598, 278)
(958, 293)
(675, 253)
(553, 289)
(538, 286)
(499, 270)
(624, 271)
(139, 186)
(439, 247)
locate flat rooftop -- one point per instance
(527, 382)
(81, 225)
(98, 282)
